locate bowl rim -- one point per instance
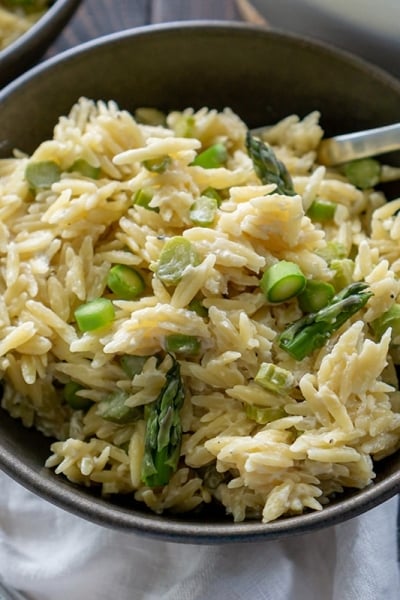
(110, 515)
(213, 24)
(98, 511)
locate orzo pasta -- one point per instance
(198, 315)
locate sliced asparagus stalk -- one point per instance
(310, 332)
(163, 431)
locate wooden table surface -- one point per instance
(94, 18)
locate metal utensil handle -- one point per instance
(360, 144)
(351, 146)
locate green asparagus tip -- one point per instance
(268, 168)
(312, 331)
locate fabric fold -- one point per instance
(49, 554)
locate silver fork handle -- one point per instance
(351, 146)
(361, 144)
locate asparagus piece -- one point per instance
(132, 364)
(363, 173)
(70, 395)
(115, 410)
(390, 318)
(302, 337)
(264, 414)
(212, 158)
(316, 295)
(274, 378)
(177, 254)
(163, 431)
(281, 281)
(42, 174)
(268, 167)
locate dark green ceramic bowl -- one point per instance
(263, 76)
(27, 49)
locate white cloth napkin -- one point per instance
(49, 554)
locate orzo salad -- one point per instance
(17, 16)
(196, 314)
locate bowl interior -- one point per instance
(263, 76)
